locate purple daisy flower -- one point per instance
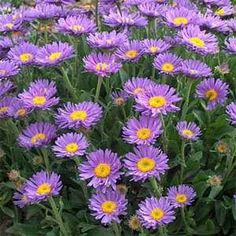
(231, 45)
(70, 145)
(5, 103)
(119, 97)
(188, 130)
(18, 110)
(232, 24)
(181, 196)
(225, 11)
(132, 2)
(42, 185)
(108, 207)
(23, 53)
(125, 19)
(38, 134)
(185, 4)
(8, 69)
(76, 25)
(102, 169)
(41, 95)
(131, 51)
(101, 64)
(20, 197)
(167, 63)
(145, 162)
(137, 85)
(199, 41)
(54, 53)
(215, 91)
(195, 69)
(154, 212)
(158, 99)
(151, 9)
(5, 87)
(107, 40)
(142, 131)
(231, 111)
(155, 46)
(217, 2)
(84, 114)
(9, 23)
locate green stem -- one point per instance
(183, 164)
(99, 85)
(45, 158)
(186, 226)
(58, 217)
(124, 112)
(162, 231)
(156, 187)
(13, 126)
(164, 135)
(116, 229)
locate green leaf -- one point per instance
(8, 211)
(220, 212)
(215, 191)
(209, 228)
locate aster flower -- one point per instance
(137, 85)
(101, 64)
(8, 69)
(124, 18)
(70, 145)
(167, 63)
(154, 212)
(9, 23)
(37, 135)
(231, 112)
(76, 25)
(217, 2)
(132, 2)
(23, 53)
(181, 196)
(41, 94)
(151, 9)
(5, 87)
(5, 103)
(215, 91)
(107, 40)
(232, 24)
(187, 4)
(155, 46)
(42, 185)
(225, 11)
(20, 197)
(142, 131)
(231, 45)
(84, 114)
(119, 97)
(18, 110)
(188, 130)
(145, 162)
(158, 99)
(102, 169)
(131, 51)
(195, 69)
(108, 207)
(198, 40)
(54, 53)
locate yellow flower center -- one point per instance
(138, 90)
(21, 112)
(26, 57)
(157, 101)
(153, 49)
(9, 25)
(101, 66)
(54, 56)
(167, 67)
(37, 137)
(108, 207)
(195, 41)
(188, 133)
(180, 21)
(39, 100)
(102, 170)
(211, 94)
(220, 12)
(77, 28)
(44, 188)
(131, 54)
(157, 214)
(181, 198)
(146, 164)
(72, 147)
(78, 115)
(222, 148)
(3, 109)
(144, 133)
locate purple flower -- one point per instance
(155, 46)
(232, 24)
(5, 103)
(231, 45)
(145, 162)
(54, 53)
(217, 2)
(151, 9)
(6, 8)
(8, 69)
(188, 130)
(84, 114)
(102, 169)
(101, 64)
(231, 112)
(20, 197)
(158, 99)
(167, 63)
(199, 41)
(119, 97)
(23, 53)
(142, 131)
(41, 95)
(215, 91)
(18, 110)
(5, 87)
(225, 11)
(70, 145)
(154, 212)
(195, 69)
(107, 207)
(38, 134)
(9, 23)
(107, 40)
(185, 4)
(76, 25)
(181, 196)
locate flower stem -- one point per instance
(183, 164)
(164, 136)
(45, 158)
(187, 228)
(155, 186)
(116, 229)
(99, 84)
